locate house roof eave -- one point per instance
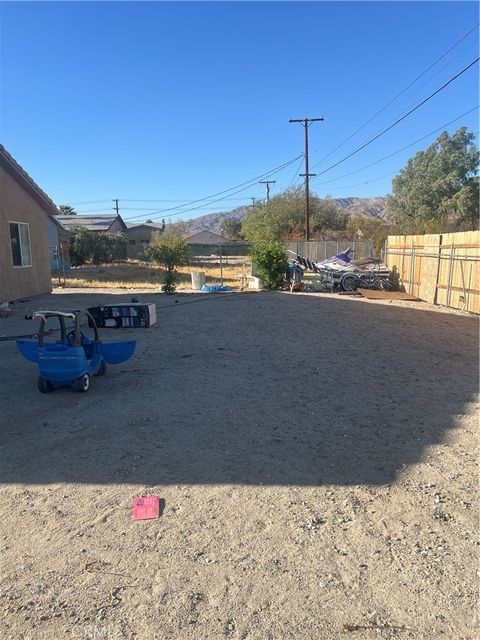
(8, 162)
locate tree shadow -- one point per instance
(264, 388)
(394, 280)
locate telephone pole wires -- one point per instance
(306, 122)
(267, 184)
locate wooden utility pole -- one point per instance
(305, 122)
(116, 206)
(252, 198)
(267, 187)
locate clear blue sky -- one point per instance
(176, 101)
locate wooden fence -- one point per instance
(442, 268)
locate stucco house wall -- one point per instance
(117, 225)
(139, 236)
(18, 205)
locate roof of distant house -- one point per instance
(58, 223)
(100, 222)
(21, 176)
(151, 225)
(215, 236)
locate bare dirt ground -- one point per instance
(317, 457)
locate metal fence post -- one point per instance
(412, 272)
(450, 271)
(221, 266)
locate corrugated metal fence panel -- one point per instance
(318, 250)
(438, 268)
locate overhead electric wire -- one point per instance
(345, 175)
(244, 200)
(398, 95)
(179, 213)
(358, 184)
(384, 131)
(248, 184)
(157, 200)
(295, 175)
(89, 202)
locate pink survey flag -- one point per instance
(146, 508)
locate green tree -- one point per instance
(370, 228)
(232, 229)
(171, 252)
(270, 259)
(283, 218)
(66, 210)
(326, 219)
(96, 247)
(438, 190)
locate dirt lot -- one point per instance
(317, 459)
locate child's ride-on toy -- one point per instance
(74, 358)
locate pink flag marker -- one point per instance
(146, 508)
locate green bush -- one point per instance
(171, 252)
(270, 259)
(96, 247)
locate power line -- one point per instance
(400, 119)
(183, 201)
(398, 94)
(295, 175)
(358, 184)
(248, 184)
(149, 209)
(88, 202)
(400, 150)
(386, 175)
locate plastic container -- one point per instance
(198, 280)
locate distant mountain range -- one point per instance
(354, 207)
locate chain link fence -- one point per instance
(112, 260)
(318, 250)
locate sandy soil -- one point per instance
(317, 458)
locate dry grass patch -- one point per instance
(133, 275)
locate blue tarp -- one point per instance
(213, 288)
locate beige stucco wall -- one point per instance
(141, 236)
(16, 205)
(116, 227)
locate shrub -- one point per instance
(171, 253)
(96, 247)
(270, 259)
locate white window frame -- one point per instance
(22, 257)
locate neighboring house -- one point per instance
(110, 222)
(139, 235)
(24, 212)
(206, 237)
(58, 245)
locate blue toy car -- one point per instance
(74, 358)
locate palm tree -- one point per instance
(67, 210)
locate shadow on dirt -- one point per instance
(255, 389)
